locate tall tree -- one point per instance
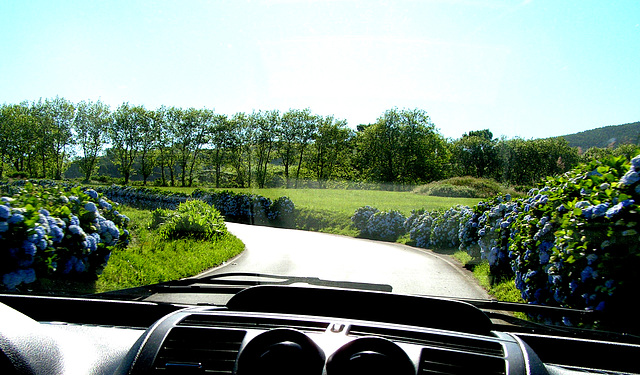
(288, 137)
(265, 125)
(149, 126)
(219, 141)
(125, 138)
(17, 144)
(191, 128)
(403, 146)
(329, 146)
(239, 145)
(91, 124)
(476, 154)
(61, 113)
(307, 125)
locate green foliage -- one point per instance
(192, 219)
(403, 146)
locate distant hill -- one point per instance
(612, 135)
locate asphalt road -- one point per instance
(301, 253)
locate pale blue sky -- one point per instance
(532, 69)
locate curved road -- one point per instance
(332, 257)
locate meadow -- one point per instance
(330, 210)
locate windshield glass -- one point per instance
(477, 150)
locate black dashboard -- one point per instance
(274, 330)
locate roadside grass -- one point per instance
(149, 259)
(502, 290)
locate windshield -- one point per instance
(477, 150)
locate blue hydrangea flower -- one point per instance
(635, 163)
(92, 193)
(29, 248)
(587, 273)
(15, 219)
(630, 178)
(4, 226)
(599, 210)
(5, 212)
(90, 206)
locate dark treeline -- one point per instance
(180, 147)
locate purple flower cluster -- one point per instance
(72, 234)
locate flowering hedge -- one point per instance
(143, 198)
(235, 207)
(573, 243)
(576, 241)
(249, 208)
(54, 231)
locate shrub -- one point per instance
(192, 219)
(577, 244)
(445, 228)
(470, 187)
(418, 225)
(361, 217)
(379, 225)
(56, 232)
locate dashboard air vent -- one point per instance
(449, 362)
(201, 350)
(432, 340)
(242, 322)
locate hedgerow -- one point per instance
(235, 207)
(574, 242)
(50, 231)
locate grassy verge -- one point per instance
(149, 259)
(504, 290)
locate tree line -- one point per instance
(181, 146)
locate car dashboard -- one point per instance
(285, 330)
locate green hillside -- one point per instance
(613, 135)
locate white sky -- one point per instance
(532, 69)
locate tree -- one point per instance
(329, 147)
(525, 162)
(294, 132)
(60, 113)
(265, 125)
(125, 137)
(149, 127)
(475, 154)
(307, 126)
(91, 123)
(191, 128)
(219, 141)
(239, 145)
(403, 146)
(17, 144)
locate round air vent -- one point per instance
(281, 351)
(370, 355)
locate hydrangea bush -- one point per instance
(56, 232)
(574, 243)
(578, 245)
(235, 207)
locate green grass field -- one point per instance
(347, 201)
